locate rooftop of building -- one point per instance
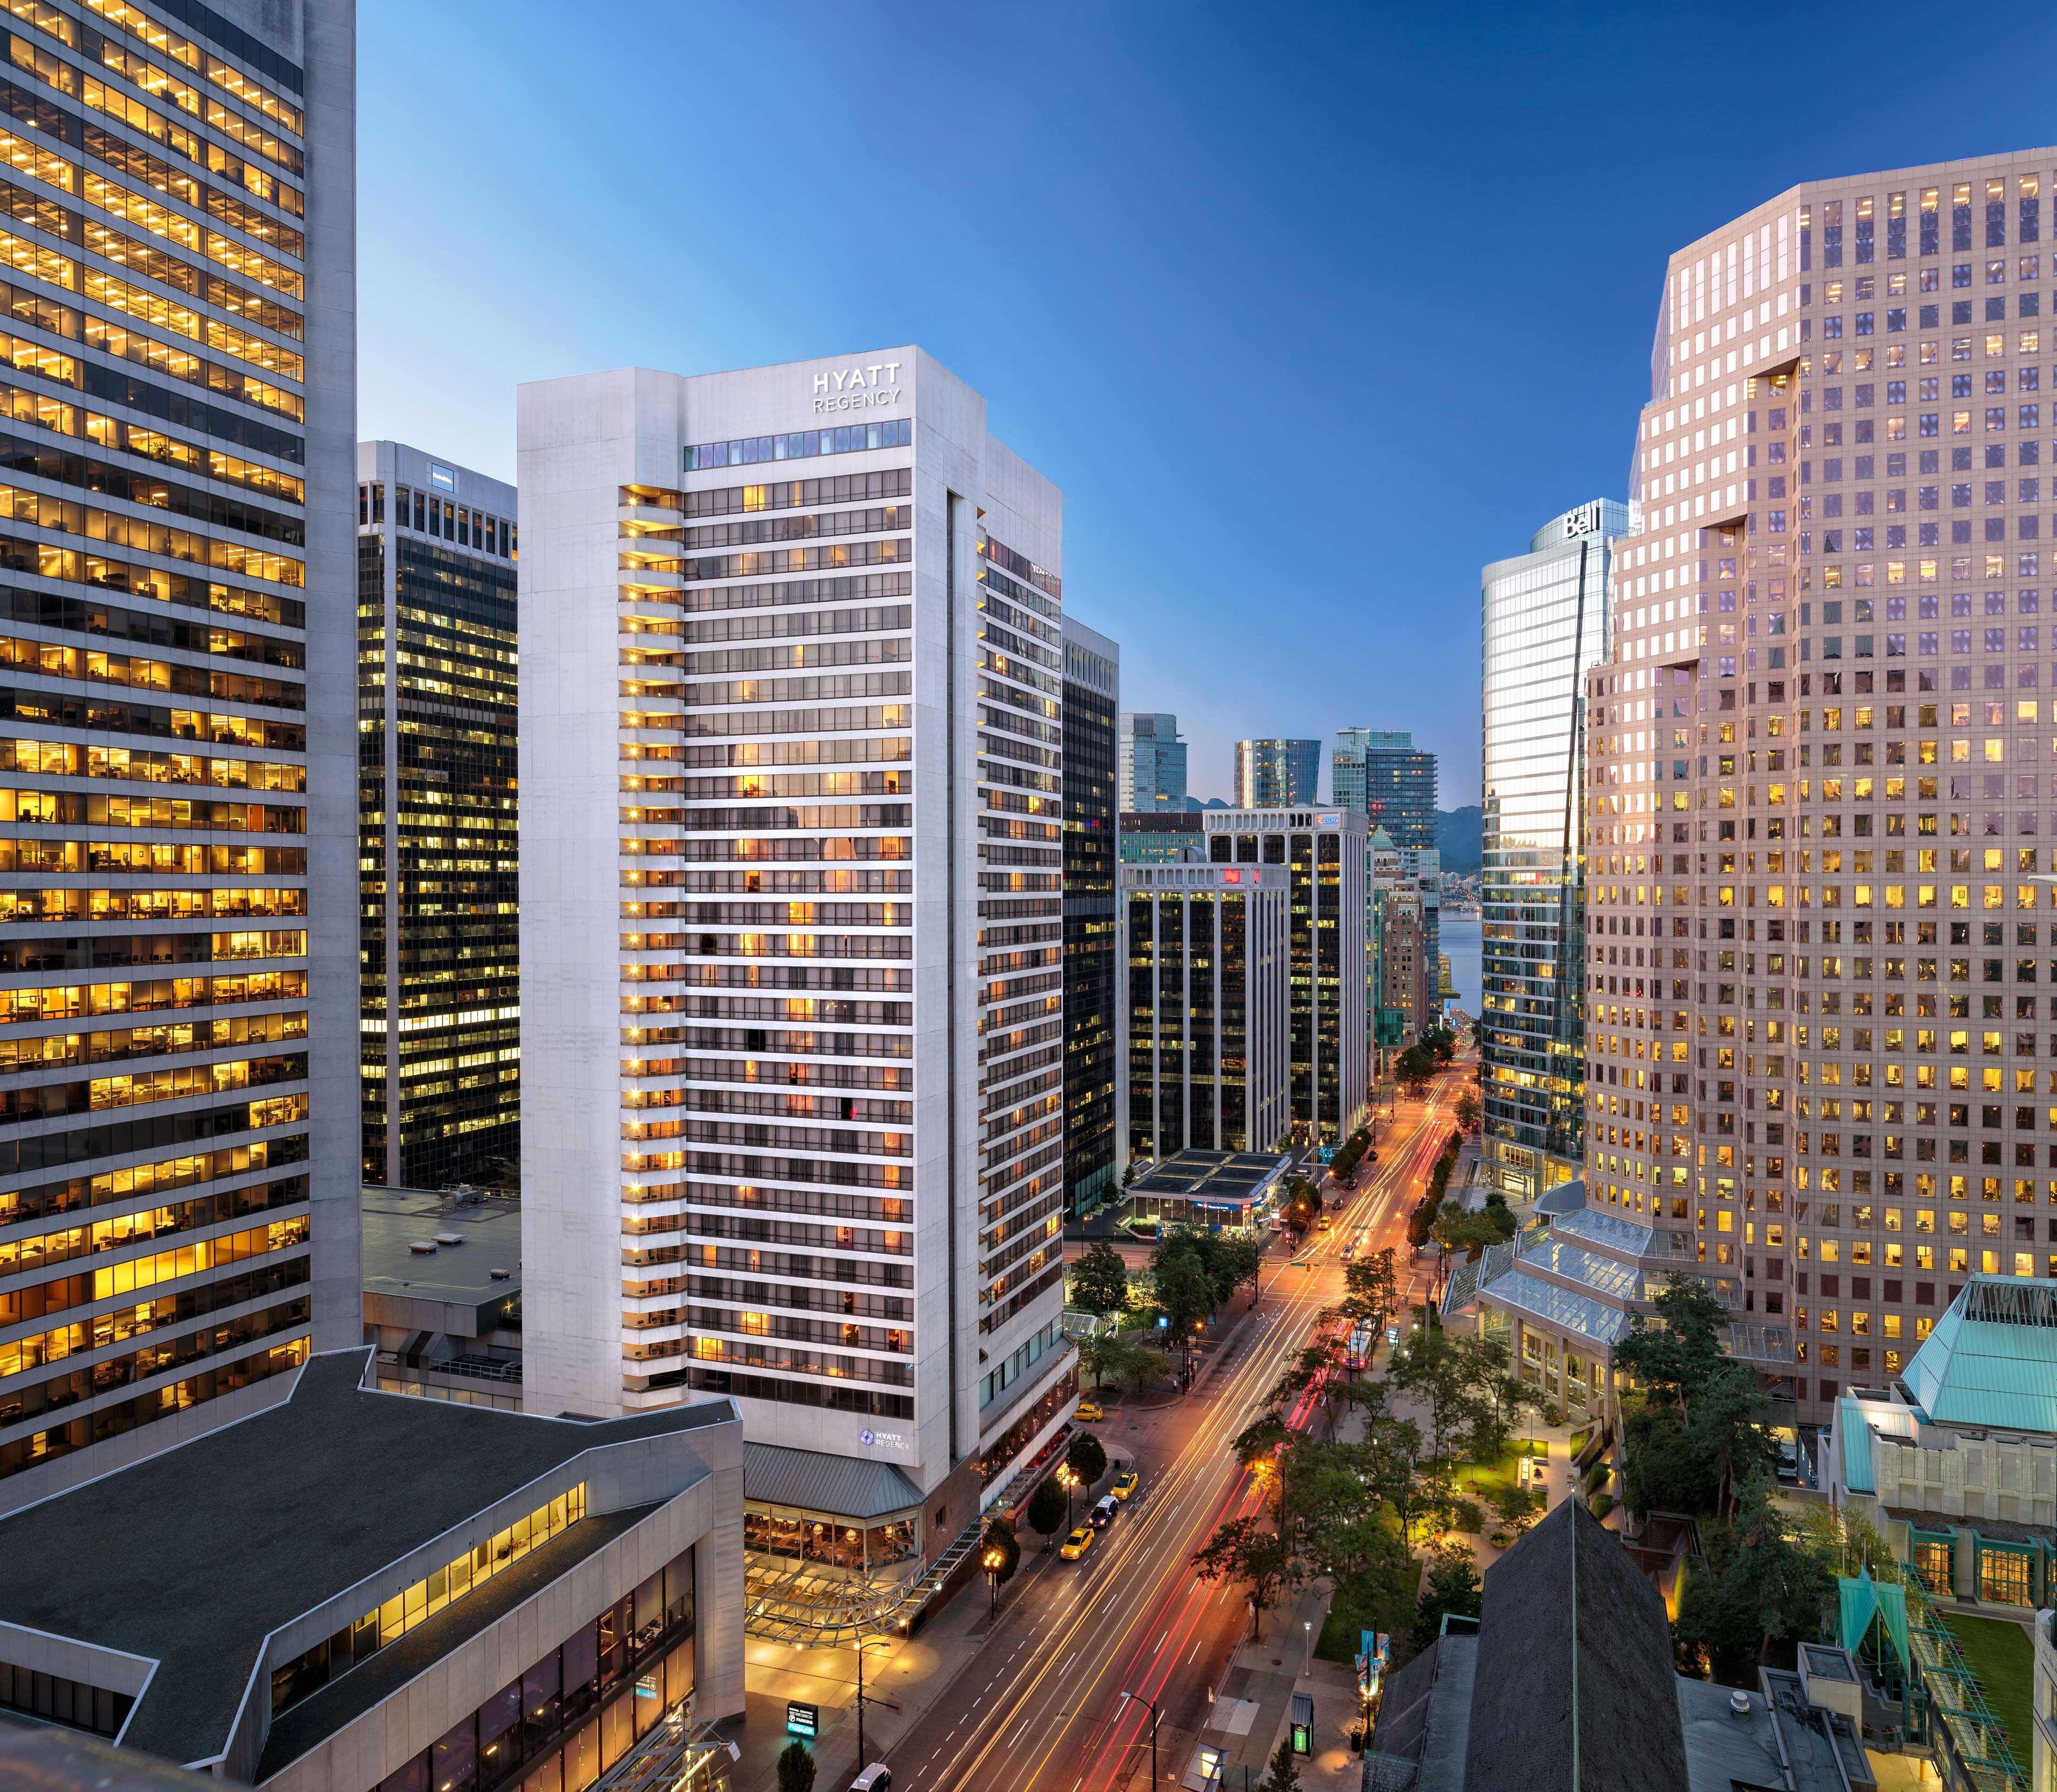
(441, 1262)
(1991, 1359)
(844, 1487)
(191, 1558)
(1227, 1174)
(1565, 1684)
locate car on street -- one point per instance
(1088, 1409)
(1078, 1543)
(1323, 1224)
(1125, 1483)
(1103, 1512)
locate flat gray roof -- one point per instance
(394, 1218)
(192, 1557)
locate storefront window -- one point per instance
(1932, 1565)
(2003, 1575)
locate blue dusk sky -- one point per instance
(1310, 311)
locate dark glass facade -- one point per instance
(436, 751)
(1090, 942)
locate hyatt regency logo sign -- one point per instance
(857, 388)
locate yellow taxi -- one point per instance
(1125, 1483)
(1078, 1543)
(1089, 1410)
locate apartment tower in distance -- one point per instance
(436, 674)
(1092, 1026)
(794, 1043)
(1381, 773)
(1151, 768)
(183, 302)
(1544, 623)
(1277, 774)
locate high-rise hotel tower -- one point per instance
(178, 942)
(792, 922)
(1822, 949)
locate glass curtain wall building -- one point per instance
(1206, 954)
(182, 293)
(437, 679)
(1276, 774)
(1543, 624)
(1152, 769)
(1386, 776)
(1092, 699)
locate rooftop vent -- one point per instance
(423, 1247)
(448, 1237)
(500, 1275)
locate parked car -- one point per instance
(877, 1778)
(1078, 1543)
(1088, 1410)
(1104, 1511)
(1125, 1483)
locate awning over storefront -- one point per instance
(834, 1486)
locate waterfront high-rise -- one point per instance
(1381, 774)
(1327, 860)
(792, 918)
(1543, 621)
(1092, 1025)
(1152, 768)
(1207, 961)
(1276, 774)
(436, 630)
(181, 296)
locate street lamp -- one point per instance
(1152, 1703)
(994, 1562)
(1067, 1480)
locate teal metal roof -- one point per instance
(1992, 1358)
(1854, 1429)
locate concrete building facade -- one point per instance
(181, 480)
(792, 919)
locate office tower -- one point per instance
(1325, 856)
(1544, 619)
(1152, 770)
(1208, 964)
(179, 493)
(1092, 1026)
(1276, 774)
(1819, 960)
(436, 675)
(1381, 773)
(793, 1064)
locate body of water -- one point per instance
(1460, 946)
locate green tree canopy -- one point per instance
(796, 1768)
(1453, 1589)
(1086, 1458)
(1248, 1551)
(1680, 1351)
(1185, 1292)
(1047, 1508)
(1099, 1279)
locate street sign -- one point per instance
(802, 1720)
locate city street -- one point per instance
(1040, 1703)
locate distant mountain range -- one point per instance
(1457, 833)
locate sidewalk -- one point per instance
(1252, 1709)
